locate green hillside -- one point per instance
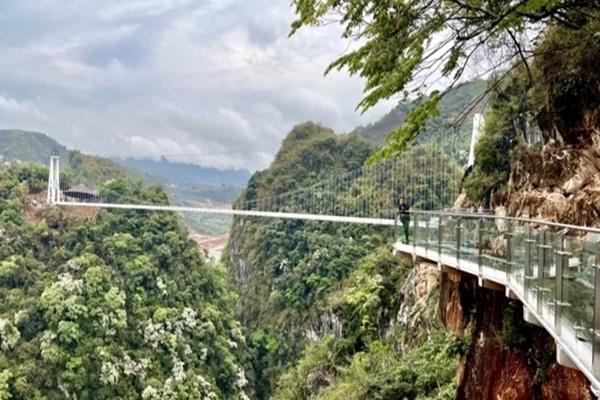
(35, 147)
(18, 145)
(115, 305)
(316, 297)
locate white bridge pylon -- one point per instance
(53, 180)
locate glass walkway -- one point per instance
(553, 269)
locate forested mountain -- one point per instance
(29, 146)
(316, 298)
(110, 304)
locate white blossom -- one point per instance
(21, 316)
(9, 335)
(150, 393)
(109, 373)
(134, 368)
(154, 334)
(73, 264)
(178, 370)
(244, 396)
(189, 317)
(67, 284)
(203, 353)
(241, 381)
(161, 286)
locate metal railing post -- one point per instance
(509, 236)
(596, 330)
(527, 273)
(427, 235)
(439, 243)
(458, 242)
(559, 260)
(415, 229)
(540, 272)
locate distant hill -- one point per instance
(36, 147)
(177, 173)
(18, 145)
(451, 106)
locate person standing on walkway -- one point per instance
(403, 213)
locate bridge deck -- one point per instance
(229, 211)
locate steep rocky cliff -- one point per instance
(506, 358)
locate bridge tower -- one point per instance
(54, 180)
(477, 128)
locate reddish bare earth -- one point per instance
(213, 245)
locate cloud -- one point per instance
(213, 82)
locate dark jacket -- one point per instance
(403, 209)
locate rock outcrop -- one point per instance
(561, 183)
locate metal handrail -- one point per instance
(508, 218)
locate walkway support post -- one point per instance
(509, 259)
(596, 332)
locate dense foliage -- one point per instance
(112, 305)
(377, 356)
(559, 104)
(403, 43)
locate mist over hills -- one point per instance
(178, 173)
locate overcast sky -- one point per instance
(177, 77)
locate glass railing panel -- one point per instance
(577, 305)
(547, 260)
(469, 250)
(448, 242)
(494, 245)
(517, 256)
(421, 236)
(433, 231)
(530, 276)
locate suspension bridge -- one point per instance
(552, 269)
(366, 195)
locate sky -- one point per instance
(212, 82)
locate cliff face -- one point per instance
(506, 358)
(561, 183)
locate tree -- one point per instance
(404, 44)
